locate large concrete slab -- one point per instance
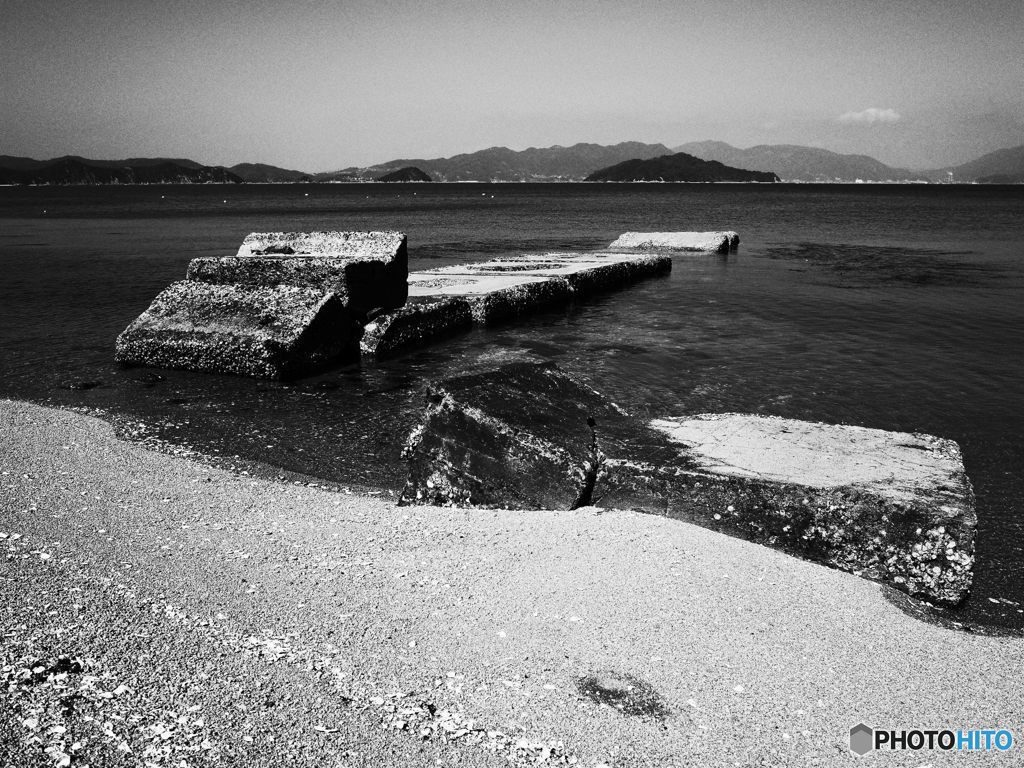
(502, 289)
(366, 270)
(586, 273)
(715, 242)
(268, 332)
(889, 506)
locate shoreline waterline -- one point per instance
(246, 578)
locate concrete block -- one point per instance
(513, 438)
(714, 242)
(888, 505)
(366, 270)
(268, 332)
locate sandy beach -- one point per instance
(158, 610)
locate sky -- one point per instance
(322, 84)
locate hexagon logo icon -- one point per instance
(861, 739)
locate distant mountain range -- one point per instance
(797, 163)
(788, 161)
(678, 167)
(503, 164)
(140, 170)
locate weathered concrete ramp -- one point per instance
(714, 242)
(501, 290)
(268, 332)
(888, 506)
(367, 270)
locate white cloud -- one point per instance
(870, 116)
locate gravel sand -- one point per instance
(157, 611)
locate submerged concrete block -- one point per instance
(269, 332)
(715, 242)
(502, 289)
(492, 297)
(415, 324)
(889, 506)
(366, 270)
(586, 273)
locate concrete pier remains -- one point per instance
(241, 314)
(501, 290)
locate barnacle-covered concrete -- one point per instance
(267, 332)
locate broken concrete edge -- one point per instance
(709, 242)
(460, 455)
(416, 324)
(278, 332)
(490, 458)
(519, 300)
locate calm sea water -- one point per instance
(895, 307)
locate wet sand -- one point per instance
(236, 620)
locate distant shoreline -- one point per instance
(531, 181)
